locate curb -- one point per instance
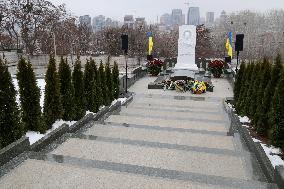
(14, 149)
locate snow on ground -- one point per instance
(271, 152)
(244, 119)
(122, 100)
(35, 136)
(88, 112)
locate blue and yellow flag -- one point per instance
(149, 34)
(229, 45)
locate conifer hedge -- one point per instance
(52, 109)
(259, 94)
(66, 90)
(29, 98)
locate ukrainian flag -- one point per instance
(229, 44)
(150, 45)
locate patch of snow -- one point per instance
(41, 85)
(113, 102)
(244, 119)
(88, 112)
(34, 136)
(245, 126)
(271, 152)
(255, 140)
(122, 100)
(101, 107)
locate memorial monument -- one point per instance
(186, 48)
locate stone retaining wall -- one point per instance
(272, 174)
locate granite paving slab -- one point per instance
(35, 174)
(197, 162)
(171, 137)
(171, 114)
(196, 125)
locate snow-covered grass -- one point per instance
(271, 152)
(35, 136)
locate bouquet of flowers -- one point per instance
(216, 67)
(199, 87)
(154, 66)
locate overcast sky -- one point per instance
(150, 9)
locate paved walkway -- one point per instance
(163, 139)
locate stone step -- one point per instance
(162, 136)
(195, 125)
(174, 102)
(87, 174)
(173, 108)
(170, 114)
(162, 158)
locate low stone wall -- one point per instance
(272, 174)
(14, 149)
(46, 140)
(135, 75)
(22, 145)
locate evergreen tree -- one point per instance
(52, 109)
(29, 97)
(89, 79)
(115, 78)
(259, 114)
(243, 91)
(98, 98)
(66, 90)
(263, 123)
(238, 82)
(10, 126)
(253, 104)
(109, 82)
(104, 87)
(276, 114)
(79, 97)
(246, 98)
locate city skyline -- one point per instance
(152, 10)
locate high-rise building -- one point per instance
(177, 18)
(165, 19)
(85, 20)
(209, 18)
(193, 16)
(99, 22)
(129, 21)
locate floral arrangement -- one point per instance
(216, 67)
(154, 66)
(198, 87)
